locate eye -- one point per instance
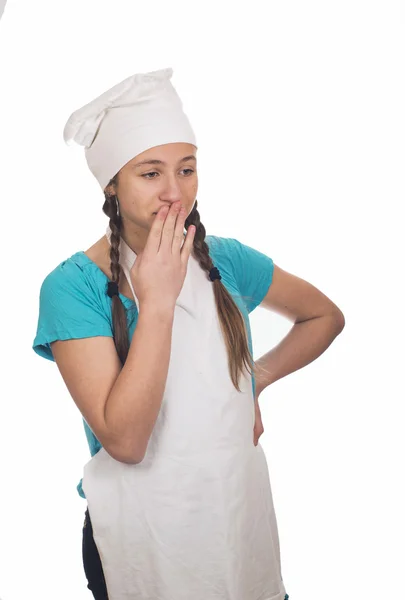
(146, 175)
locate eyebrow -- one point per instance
(161, 162)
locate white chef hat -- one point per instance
(141, 112)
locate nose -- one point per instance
(171, 191)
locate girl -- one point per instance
(150, 331)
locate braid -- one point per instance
(115, 226)
(119, 315)
(231, 320)
(200, 247)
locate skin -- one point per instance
(139, 196)
(258, 428)
(142, 190)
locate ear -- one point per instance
(110, 189)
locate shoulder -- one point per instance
(75, 276)
(72, 303)
(250, 269)
(224, 251)
(235, 255)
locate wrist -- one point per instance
(157, 309)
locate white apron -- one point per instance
(195, 519)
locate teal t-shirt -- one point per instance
(73, 302)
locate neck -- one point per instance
(135, 238)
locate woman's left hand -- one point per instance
(258, 428)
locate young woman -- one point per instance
(150, 330)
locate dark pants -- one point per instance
(92, 563)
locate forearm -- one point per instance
(305, 342)
(135, 400)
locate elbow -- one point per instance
(128, 460)
(137, 458)
(129, 457)
(340, 321)
(336, 318)
(132, 461)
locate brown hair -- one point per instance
(231, 319)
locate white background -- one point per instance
(298, 108)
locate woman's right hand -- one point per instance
(160, 268)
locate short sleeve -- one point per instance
(251, 269)
(69, 308)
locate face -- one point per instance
(142, 189)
